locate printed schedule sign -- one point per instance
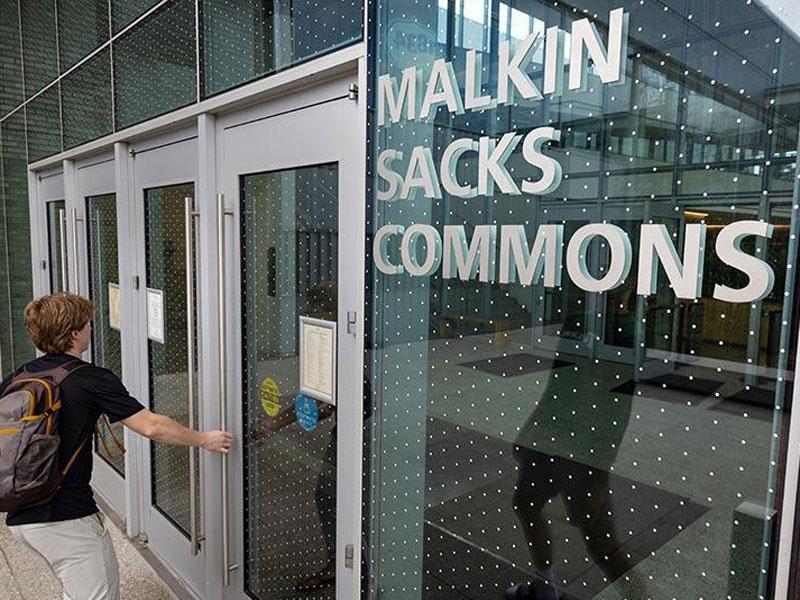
(155, 315)
(318, 359)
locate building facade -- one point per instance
(495, 295)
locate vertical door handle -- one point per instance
(222, 212)
(62, 228)
(75, 261)
(190, 215)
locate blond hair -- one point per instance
(50, 320)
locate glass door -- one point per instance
(622, 314)
(564, 316)
(53, 244)
(296, 251)
(167, 256)
(56, 251)
(100, 282)
(104, 292)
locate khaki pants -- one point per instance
(80, 553)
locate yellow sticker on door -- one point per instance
(269, 397)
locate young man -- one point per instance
(68, 531)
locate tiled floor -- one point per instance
(25, 576)
(690, 453)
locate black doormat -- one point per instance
(671, 388)
(760, 413)
(755, 396)
(755, 402)
(475, 548)
(516, 364)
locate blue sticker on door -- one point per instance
(307, 412)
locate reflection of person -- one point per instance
(324, 491)
(566, 448)
(320, 304)
(67, 529)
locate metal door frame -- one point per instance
(50, 188)
(166, 160)
(92, 177)
(326, 130)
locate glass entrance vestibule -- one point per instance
(524, 403)
(579, 389)
(203, 248)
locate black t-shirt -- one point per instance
(86, 394)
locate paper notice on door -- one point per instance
(155, 315)
(318, 359)
(114, 306)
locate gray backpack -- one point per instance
(30, 472)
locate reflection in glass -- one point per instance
(536, 442)
(82, 27)
(55, 245)
(43, 124)
(155, 64)
(246, 40)
(11, 92)
(125, 11)
(165, 233)
(16, 344)
(40, 59)
(101, 250)
(86, 93)
(290, 252)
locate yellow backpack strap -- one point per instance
(72, 458)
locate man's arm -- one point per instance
(161, 428)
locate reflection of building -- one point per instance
(704, 130)
(686, 128)
(135, 138)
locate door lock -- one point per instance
(352, 322)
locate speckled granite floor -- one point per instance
(25, 576)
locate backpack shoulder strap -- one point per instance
(54, 376)
(58, 374)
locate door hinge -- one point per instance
(352, 92)
(136, 282)
(349, 555)
(44, 265)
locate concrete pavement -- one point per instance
(24, 575)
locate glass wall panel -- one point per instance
(11, 92)
(44, 124)
(290, 250)
(17, 233)
(6, 315)
(87, 101)
(82, 27)
(123, 12)
(155, 64)
(38, 44)
(246, 40)
(102, 252)
(578, 391)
